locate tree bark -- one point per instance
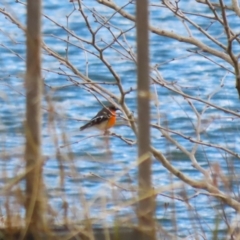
(146, 200)
(33, 84)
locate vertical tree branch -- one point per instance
(33, 84)
(229, 48)
(146, 206)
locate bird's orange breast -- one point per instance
(111, 121)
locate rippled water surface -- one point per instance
(90, 163)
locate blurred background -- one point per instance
(88, 174)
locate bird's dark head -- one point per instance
(113, 108)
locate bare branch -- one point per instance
(171, 34)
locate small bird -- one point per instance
(104, 119)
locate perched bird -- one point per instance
(104, 119)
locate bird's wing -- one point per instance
(101, 117)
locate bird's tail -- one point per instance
(84, 126)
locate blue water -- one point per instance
(90, 164)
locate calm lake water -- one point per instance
(89, 164)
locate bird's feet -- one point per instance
(107, 132)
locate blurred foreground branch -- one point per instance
(33, 156)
